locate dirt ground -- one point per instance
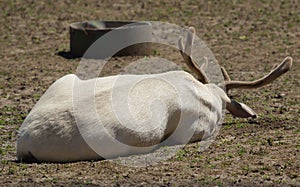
(247, 38)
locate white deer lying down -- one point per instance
(182, 109)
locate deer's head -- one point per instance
(235, 108)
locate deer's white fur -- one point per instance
(50, 132)
(129, 114)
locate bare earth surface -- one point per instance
(247, 38)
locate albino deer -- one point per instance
(183, 109)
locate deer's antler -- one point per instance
(282, 68)
(186, 54)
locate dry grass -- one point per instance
(246, 37)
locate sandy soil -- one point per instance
(247, 38)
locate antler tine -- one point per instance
(274, 66)
(282, 68)
(180, 44)
(189, 41)
(225, 74)
(186, 54)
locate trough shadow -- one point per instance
(67, 55)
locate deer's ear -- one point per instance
(240, 110)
